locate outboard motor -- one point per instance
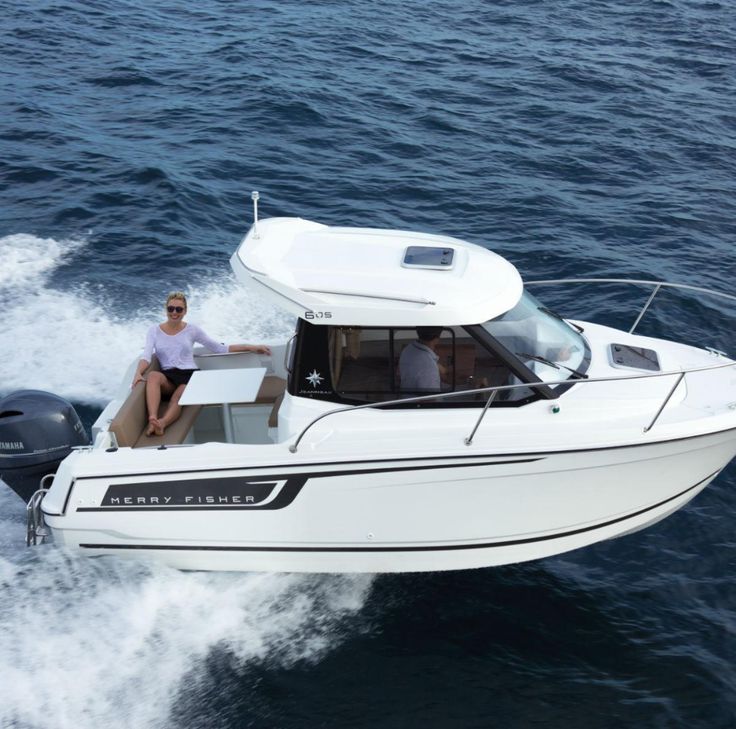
(37, 431)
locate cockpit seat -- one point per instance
(272, 391)
(131, 421)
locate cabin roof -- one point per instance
(358, 276)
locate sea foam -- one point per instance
(112, 643)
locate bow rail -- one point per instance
(658, 285)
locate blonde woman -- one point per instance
(173, 342)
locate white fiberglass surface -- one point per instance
(530, 331)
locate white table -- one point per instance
(223, 387)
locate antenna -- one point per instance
(254, 197)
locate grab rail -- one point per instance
(36, 531)
(640, 282)
(493, 391)
(208, 355)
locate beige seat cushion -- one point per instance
(126, 425)
(271, 389)
(175, 433)
(273, 418)
(132, 418)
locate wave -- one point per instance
(27, 260)
(76, 340)
(113, 643)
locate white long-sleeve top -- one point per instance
(177, 350)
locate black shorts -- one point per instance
(178, 377)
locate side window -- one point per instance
(422, 368)
(375, 364)
(470, 367)
(360, 363)
(476, 366)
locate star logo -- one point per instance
(314, 378)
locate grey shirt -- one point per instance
(418, 368)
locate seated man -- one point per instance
(419, 367)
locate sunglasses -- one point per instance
(177, 309)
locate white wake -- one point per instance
(89, 643)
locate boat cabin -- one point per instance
(355, 365)
(372, 304)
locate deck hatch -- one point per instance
(638, 358)
(429, 257)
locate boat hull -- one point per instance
(454, 511)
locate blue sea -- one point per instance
(578, 138)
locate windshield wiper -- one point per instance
(556, 365)
(577, 327)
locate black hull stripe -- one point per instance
(433, 548)
(301, 477)
(532, 455)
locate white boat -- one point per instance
(547, 435)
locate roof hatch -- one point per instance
(432, 257)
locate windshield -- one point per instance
(533, 333)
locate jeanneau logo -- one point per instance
(314, 378)
(12, 445)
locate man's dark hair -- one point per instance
(427, 334)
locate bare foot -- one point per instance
(154, 427)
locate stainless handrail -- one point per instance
(640, 282)
(646, 306)
(469, 439)
(287, 354)
(35, 524)
(498, 388)
(666, 400)
(426, 302)
(208, 355)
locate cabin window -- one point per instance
(365, 366)
(360, 361)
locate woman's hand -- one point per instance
(138, 378)
(260, 349)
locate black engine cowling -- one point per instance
(37, 431)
